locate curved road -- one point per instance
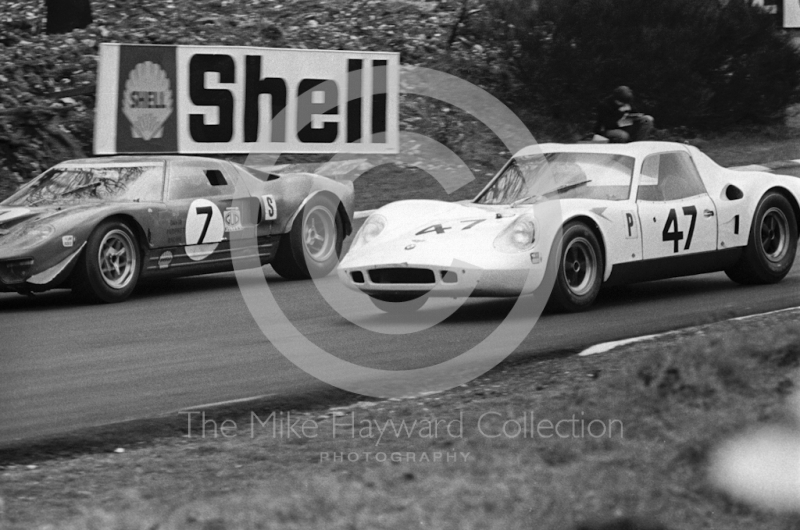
(193, 341)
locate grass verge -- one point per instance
(637, 426)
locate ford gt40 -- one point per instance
(581, 216)
(100, 225)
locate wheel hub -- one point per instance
(116, 259)
(319, 234)
(580, 266)
(774, 230)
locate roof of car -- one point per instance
(634, 149)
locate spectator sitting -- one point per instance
(618, 121)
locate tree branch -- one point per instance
(462, 17)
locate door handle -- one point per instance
(708, 213)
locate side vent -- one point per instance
(732, 193)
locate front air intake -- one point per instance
(449, 277)
(402, 275)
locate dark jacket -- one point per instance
(608, 115)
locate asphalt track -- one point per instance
(193, 341)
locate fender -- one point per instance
(347, 220)
(56, 274)
(603, 238)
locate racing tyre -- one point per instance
(772, 244)
(108, 268)
(313, 246)
(397, 305)
(580, 269)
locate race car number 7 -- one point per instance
(671, 233)
(208, 211)
(439, 229)
(204, 223)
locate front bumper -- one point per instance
(21, 274)
(441, 281)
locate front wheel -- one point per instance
(108, 269)
(580, 269)
(772, 244)
(313, 246)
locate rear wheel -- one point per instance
(109, 267)
(312, 248)
(772, 244)
(580, 269)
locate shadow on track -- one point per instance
(694, 290)
(63, 298)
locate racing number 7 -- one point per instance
(208, 212)
(673, 234)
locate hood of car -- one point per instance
(437, 233)
(430, 220)
(49, 229)
(13, 218)
(432, 232)
(14, 215)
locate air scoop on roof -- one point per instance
(263, 175)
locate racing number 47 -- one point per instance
(439, 229)
(671, 232)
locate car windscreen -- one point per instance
(562, 175)
(67, 183)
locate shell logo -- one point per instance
(147, 101)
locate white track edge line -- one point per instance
(604, 347)
(765, 314)
(229, 402)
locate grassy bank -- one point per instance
(637, 427)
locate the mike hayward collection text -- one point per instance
(489, 424)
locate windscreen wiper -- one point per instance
(561, 189)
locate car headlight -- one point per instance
(15, 271)
(371, 229)
(518, 236)
(35, 235)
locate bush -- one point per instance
(690, 62)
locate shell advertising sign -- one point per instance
(147, 101)
(791, 13)
(235, 99)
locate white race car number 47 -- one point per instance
(671, 231)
